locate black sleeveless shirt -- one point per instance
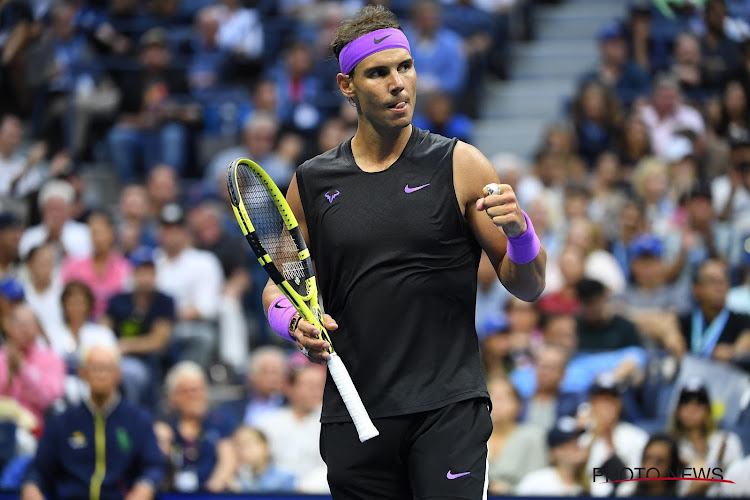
(396, 264)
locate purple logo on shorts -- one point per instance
(454, 476)
(330, 197)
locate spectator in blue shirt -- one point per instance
(438, 51)
(202, 454)
(439, 117)
(615, 69)
(102, 448)
(266, 373)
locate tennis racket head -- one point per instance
(270, 227)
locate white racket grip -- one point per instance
(349, 394)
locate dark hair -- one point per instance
(73, 287)
(35, 250)
(588, 289)
(674, 469)
(103, 214)
(368, 19)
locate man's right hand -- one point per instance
(30, 491)
(307, 337)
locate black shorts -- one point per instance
(435, 454)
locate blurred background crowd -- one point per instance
(123, 270)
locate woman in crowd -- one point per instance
(42, 286)
(660, 454)
(106, 272)
(701, 443)
(514, 449)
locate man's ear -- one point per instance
(346, 85)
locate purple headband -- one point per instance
(368, 44)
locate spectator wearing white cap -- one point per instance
(70, 237)
(194, 279)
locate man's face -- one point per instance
(190, 396)
(385, 88)
(593, 310)
(561, 332)
(713, 285)
(144, 278)
(550, 369)
(605, 409)
(10, 133)
(101, 371)
(614, 51)
(648, 271)
(700, 211)
(10, 237)
(173, 237)
(155, 58)
(268, 377)
(306, 394)
(260, 139)
(665, 99)
(23, 328)
(55, 212)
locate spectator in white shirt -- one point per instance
(70, 238)
(567, 457)
(612, 443)
(293, 431)
(738, 474)
(19, 173)
(240, 30)
(666, 115)
(731, 195)
(194, 279)
(702, 443)
(43, 286)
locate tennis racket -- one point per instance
(271, 229)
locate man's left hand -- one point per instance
(504, 210)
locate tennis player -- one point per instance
(396, 219)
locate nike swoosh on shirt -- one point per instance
(454, 476)
(407, 189)
(378, 40)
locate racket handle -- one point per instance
(349, 394)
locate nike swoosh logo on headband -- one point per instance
(378, 40)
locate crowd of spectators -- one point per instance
(120, 319)
(633, 355)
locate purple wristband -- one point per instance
(523, 249)
(280, 314)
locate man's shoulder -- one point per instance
(325, 160)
